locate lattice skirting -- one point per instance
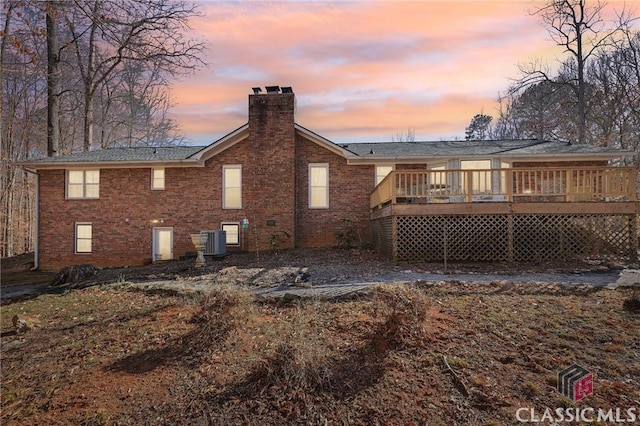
(513, 237)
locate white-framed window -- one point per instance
(84, 237)
(438, 177)
(318, 186)
(83, 183)
(480, 173)
(232, 232)
(382, 172)
(157, 178)
(232, 186)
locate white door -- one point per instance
(162, 244)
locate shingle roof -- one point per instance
(138, 154)
(469, 148)
(364, 150)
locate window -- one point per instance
(232, 233)
(84, 237)
(83, 183)
(438, 175)
(480, 174)
(382, 172)
(157, 178)
(232, 187)
(318, 186)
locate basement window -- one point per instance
(84, 238)
(232, 232)
(83, 184)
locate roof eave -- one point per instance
(358, 160)
(569, 156)
(222, 144)
(325, 143)
(34, 166)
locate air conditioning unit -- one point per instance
(216, 243)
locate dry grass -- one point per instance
(115, 356)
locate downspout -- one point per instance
(36, 257)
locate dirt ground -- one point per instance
(427, 353)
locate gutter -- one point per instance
(110, 164)
(512, 157)
(36, 248)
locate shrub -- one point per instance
(348, 236)
(632, 304)
(405, 309)
(221, 311)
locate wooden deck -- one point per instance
(569, 185)
(507, 214)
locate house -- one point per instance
(274, 183)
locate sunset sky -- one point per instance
(362, 71)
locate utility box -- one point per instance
(216, 243)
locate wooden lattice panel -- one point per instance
(513, 237)
(544, 237)
(471, 237)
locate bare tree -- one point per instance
(408, 136)
(582, 32)
(59, 55)
(23, 105)
(106, 33)
(134, 108)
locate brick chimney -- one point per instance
(270, 182)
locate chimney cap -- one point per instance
(256, 90)
(287, 89)
(273, 89)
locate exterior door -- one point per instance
(162, 244)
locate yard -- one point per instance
(428, 353)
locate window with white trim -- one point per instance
(319, 186)
(232, 187)
(157, 178)
(439, 175)
(232, 232)
(84, 238)
(382, 172)
(480, 174)
(83, 183)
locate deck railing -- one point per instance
(574, 184)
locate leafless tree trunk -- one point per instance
(53, 77)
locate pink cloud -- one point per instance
(360, 70)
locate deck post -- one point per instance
(469, 189)
(509, 184)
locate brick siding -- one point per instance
(274, 198)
